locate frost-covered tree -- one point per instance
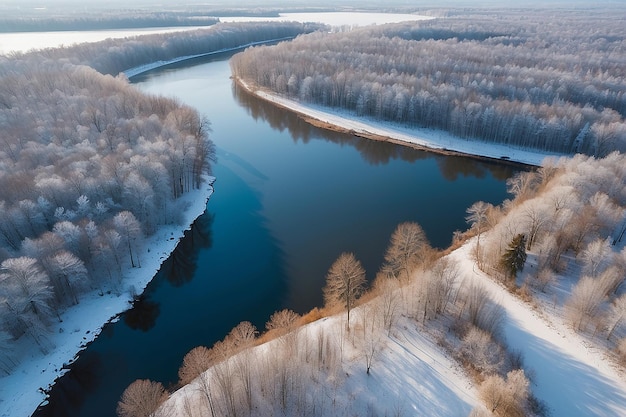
(407, 248)
(68, 276)
(345, 282)
(506, 397)
(141, 399)
(129, 229)
(477, 217)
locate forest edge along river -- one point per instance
(289, 199)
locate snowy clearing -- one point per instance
(23, 391)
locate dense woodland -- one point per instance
(551, 83)
(89, 166)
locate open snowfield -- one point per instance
(22, 391)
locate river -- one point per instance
(289, 199)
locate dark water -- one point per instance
(289, 199)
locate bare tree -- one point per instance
(616, 315)
(344, 283)
(406, 250)
(26, 287)
(584, 303)
(479, 350)
(141, 399)
(387, 300)
(196, 361)
(242, 337)
(477, 218)
(596, 257)
(506, 397)
(127, 226)
(68, 275)
(282, 321)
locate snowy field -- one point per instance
(22, 391)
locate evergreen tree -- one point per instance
(514, 257)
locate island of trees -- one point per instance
(524, 79)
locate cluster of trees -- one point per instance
(571, 217)
(143, 20)
(298, 369)
(113, 56)
(89, 166)
(532, 81)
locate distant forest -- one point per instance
(90, 166)
(145, 20)
(551, 82)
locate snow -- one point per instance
(23, 391)
(570, 375)
(409, 376)
(433, 139)
(157, 64)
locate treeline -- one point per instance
(297, 368)
(89, 166)
(113, 56)
(524, 79)
(145, 20)
(572, 217)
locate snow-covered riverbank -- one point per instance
(24, 390)
(429, 139)
(158, 64)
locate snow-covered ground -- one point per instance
(570, 375)
(409, 376)
(22, 391)
(157, 64)
(436, 140)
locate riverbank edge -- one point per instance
(26, 388)
(430, 140)
(132, 72)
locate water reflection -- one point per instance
(181, 266)
(372, 151)
(71, 393)
(143, 315)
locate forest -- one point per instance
(90, 166)
(524, 78)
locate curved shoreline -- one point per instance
(430, 140)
